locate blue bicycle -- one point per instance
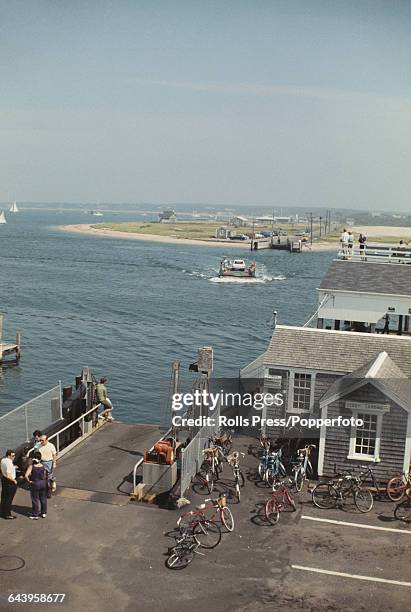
(271, 467)
(303, 467)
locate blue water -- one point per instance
(129, 308)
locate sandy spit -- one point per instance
(87, 229)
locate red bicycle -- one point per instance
(279, 500)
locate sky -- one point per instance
(225, 102)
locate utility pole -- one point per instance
(311, 228)
(320, 225)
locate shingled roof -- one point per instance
(368, 277)
(334, 351)
(382, 372)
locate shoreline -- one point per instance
(87, 229)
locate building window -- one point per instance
(365, 438)
(301, 395)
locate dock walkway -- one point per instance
(110, 556)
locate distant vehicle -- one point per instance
(300, 233)
(239, 237)
(266, 234)
(259, 235)
(282, 233)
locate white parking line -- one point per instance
(355, 576)
(360, 525)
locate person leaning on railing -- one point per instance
(104, 400)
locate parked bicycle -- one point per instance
(280, 498)
(224, 441)
(239, 480)
(264, 440)
(327, 495)
(211, 511)
(211, 468)
(402, 511)
(271, 467)
(397, 486)
(182, 553)
(303, 467)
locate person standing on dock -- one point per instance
(48, 456)
(362, 240)
(104, 400)
(8, 484)
(350, 244)
(344, 243)
(36, 476)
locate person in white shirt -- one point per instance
(8, 484)
(344, 243)
(48, 454)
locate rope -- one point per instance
(325, 299)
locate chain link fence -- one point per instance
(192, 455)
(17, 426)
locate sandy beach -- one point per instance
(85, 228)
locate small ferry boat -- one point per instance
(237, 268)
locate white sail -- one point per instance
(2, 217)
(13, 208)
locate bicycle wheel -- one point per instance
(299, 479)
(180, 558)
(241, 478)
(207, 533)
(325, 496)
(269, 476)
(227, 446)
(227, 518)
(261, 470)
(396, 488)
(209, 478)
(363, 499)
(402, 512)
(290, 500)
(272, 512)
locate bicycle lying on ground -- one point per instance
(182, 553)
(303, 467)
(280, 498)
(239, 480)
(337, 491)
(208, 512)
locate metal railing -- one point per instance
(80, 435)
(192, 454)
(378, 254)
(16, 426)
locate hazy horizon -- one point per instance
(235, 104)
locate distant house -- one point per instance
(326, 374)
(282, 219)
(239, 221)
(223, 232)
(167, 216)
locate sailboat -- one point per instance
(13, 208)
(2, 217)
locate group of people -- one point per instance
(347, 244)
(39, 465)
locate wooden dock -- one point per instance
(10, 352)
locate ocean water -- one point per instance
(129, 308)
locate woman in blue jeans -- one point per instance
(36, 475)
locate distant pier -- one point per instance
(10, 352)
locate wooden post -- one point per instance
(18, 347)
(320, 323)
(336, 324)
(400, 320)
